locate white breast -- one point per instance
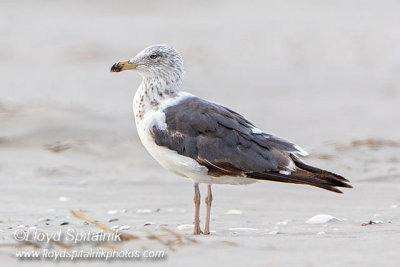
(169, 159)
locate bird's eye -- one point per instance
(153, 56)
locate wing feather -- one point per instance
(226, 143)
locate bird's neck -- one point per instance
(160, 87)
(152, 92)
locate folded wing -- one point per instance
(229, 145)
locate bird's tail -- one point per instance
(305, 174)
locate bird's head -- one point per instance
(156, 61)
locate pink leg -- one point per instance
(196, 199)
(208, 199)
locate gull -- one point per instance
(206, 142)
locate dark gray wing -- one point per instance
(221, 139)
(228, 145)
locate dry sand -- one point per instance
(324, 76)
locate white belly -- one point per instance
(169, 159)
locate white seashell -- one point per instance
(124, 227)
(63, 199)
(234, 212)
(322, 218)
(184, 227)
(112, 211)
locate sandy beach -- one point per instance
(324, 76)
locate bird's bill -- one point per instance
(123, 65)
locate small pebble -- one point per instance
(113, 220)
(115, 227)
(44, 219)
(64, 223)
(274, 232)
(394, 206)
(321, 233)
(124, 227)
(371, 222)
(21, 226)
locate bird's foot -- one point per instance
(197, 230)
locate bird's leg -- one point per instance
(208, 199)
(196, 199)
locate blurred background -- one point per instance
(322, 74)
(305, 70)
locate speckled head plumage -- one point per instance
(156, 62)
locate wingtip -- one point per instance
(343, 186)
(334, 189)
